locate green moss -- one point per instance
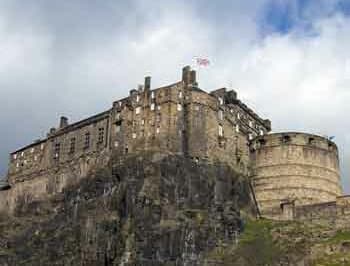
(340, 236)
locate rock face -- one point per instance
(144, 210)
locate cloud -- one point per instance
(75, 58)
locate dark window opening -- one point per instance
(286, 139)
(87, 140)
(57, 150)
(101, 134)
(311, 140)
(72, 146)
(262, 142)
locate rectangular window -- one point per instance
(221, 131)
(101, 135)
(180, 94)
(158, 107)
(138, 110)
(72, 146)
(250, 136)
(57, 150)
(134, 135)
(221, 115)
(237, 128)
(250, 124)
(221, 101)
(116, 144)
(261, 132)
(179, 107)
(117, 128)
(42, 146)
(137, 98)
(32, 150)
(152, 95)
(15, 156)
(87, 140)
(117, 116)
(158, 130)
(238, 116)
(152, 106)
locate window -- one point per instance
(261, 132)
(158, 130)
(158, 118)
(250, 136)
(250, 124)
(138, 110)
(238, 116)
(72, 145)
(57, 150)
(42, 146)
(134, 135)
(152, 95)
(117, 128)
(221, 115)
(237, 128)
(180, 94)
(152, 106)
(179, 107)
(35, 158)
(101, 135)
(158, 107)
(221, 131)
(15, 156)
(22, 154)
(116, 144)
(32, 150)
(137, 98)
(87, 140)
(117, 116)
(221, 101)
(142, 121)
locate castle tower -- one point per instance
(294, 167)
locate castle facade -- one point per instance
(180, 119)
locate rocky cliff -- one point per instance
(144, 210)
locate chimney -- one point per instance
(186, 74)
(147, 83)
(193, 79)
(63, 122)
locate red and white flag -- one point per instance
(202, 61)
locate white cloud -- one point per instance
(300, 81)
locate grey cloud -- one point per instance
(76, 57)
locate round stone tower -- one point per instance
(294, 167)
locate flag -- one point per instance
(202, 61)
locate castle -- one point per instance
(286, 169)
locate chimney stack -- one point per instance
(147, 86)
(63, 122)
(186, 75)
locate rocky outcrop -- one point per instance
(143, 210)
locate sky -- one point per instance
(288, 60)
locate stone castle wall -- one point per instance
(177, 119)
(297, 167)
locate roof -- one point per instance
(68, 128)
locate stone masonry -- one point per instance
(178, 119)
